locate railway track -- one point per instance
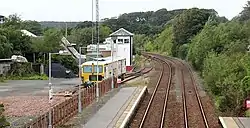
(194, 114)
(155, 112)
(164, 109)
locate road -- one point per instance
(34, 87)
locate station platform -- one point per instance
(234, 122)
(116, 113)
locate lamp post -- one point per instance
(50, 89)
(80, 80)
(112, 59)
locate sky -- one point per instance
(81, 10)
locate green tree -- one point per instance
(165, 40)
(187, 25)
(32, 26)
(52, 38)
(5, 46)
(139, 41)
(13, 21)
(223, 75)
(83, 36)
(245, 14)
(21, 43)
(226, 38)
(85, 24)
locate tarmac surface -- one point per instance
(34, 87)
(108, 112)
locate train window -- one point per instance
(94, 77)
(100, 68)
(87, 69)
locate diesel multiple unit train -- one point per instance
(89, 72)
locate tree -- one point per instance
(5, 46)
(226, 38)
(189, 23)
(245, 14)
(165, 40)
(13, 21)
(148, 23)
(21, 43)
(32, 26)
(139, 41)
(85, 24)
(52, 38)
(83, 36)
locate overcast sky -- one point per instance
(80, 10)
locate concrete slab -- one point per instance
(228, 122)
(106, 114)
(245, 122)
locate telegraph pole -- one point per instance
(92, 22)
(97, 39)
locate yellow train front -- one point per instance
(89, 70)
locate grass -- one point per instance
(248, 113)
(2, 79)
(29, 77)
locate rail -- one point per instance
(154, 93)
(196, 94)
(193, 85)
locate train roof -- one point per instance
(105, 60)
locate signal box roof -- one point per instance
(121, 32)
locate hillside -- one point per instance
(149, 22)
(58, 24)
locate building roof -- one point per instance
(121, 32)
(27, 33)
(107, 60)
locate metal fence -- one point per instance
(63, 112)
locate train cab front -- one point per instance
(93, 79)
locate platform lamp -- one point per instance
(112, 58)
(50, 87)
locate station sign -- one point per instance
(119, 81)
(248, 104)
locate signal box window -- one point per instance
(120, 40)
(126, 41)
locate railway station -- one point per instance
(180, 68)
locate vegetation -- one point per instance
(28, 77)
(217, 48)
(3, 121)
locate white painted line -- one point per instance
(128, 116)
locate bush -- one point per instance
(3, 122)
(247, 113)
(28, 77)
(67, 61)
